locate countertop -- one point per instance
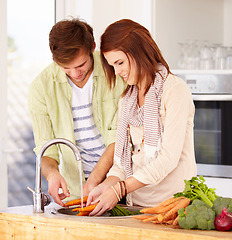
(21, 223)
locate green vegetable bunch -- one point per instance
(195, 188)
(222, 202)
(121, 211)
(198, 215)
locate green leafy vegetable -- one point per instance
(121, 211)
(198, 215)
(195, 188)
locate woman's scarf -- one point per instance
(147, 116)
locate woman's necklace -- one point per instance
(132, 147)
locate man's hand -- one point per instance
(55, 182)
(88, 187)
(51, 172)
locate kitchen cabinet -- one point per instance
(21, 223)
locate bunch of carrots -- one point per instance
(164, 213)
(85, 211)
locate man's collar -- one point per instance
(59, 74)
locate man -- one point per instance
(70, 99)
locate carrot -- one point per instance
(160, 217)
(166, 212)
(170, 200)
(173, 216)
(156, 222)
(76, 209)
(146, 210)
(153, 210)
(83, 213)
(88, 209)
(84, 209)
(141, 217)
(167, 208)
(176, 221)
(76, 201)
(170, 222)
(163, 206)
(151, 218)
(181, 204)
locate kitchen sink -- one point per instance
(68, 211)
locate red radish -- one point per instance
(223, 221)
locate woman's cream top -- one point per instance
(175, 159)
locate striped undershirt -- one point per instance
(86, 133)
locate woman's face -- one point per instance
(123, 66)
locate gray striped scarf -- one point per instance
(147, 116)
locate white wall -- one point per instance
(100, 13)
(3, 105)
(74, 8)
(227, 23)
(106, 12)
(180, 20)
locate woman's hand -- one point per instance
(95, 193)
(101, 194)
(106, 201)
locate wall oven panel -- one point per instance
(213, 138)
(212, 95)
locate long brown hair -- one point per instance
(135, 41)
(68, 37)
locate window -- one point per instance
(28, 26)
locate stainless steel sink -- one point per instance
(68, 211)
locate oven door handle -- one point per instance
(212, 97)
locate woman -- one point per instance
(154, 150)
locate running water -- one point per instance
(79, 164)
(81, 183)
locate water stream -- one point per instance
(81, 183)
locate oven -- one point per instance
(212, 95)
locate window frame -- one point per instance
(3, 105)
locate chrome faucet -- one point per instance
(39, 198)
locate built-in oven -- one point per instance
(212, 95)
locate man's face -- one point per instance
(80, 69)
